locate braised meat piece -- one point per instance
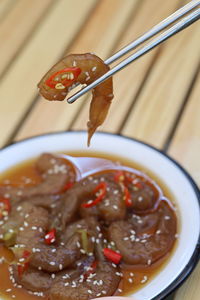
(33, 279)
(144, 239)
(55, 174)
(100, 281)
(50, 258)
(75, 289)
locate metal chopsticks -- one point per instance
(179, 26)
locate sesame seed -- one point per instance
(115, 207)
(149, 262)
(167, 217)
(73, 284)
(120, 290)
(66, 284)
(78, 244)
(98, 228)
(94, 69)
(158, 231)
(106, 202)
(130, 280)
(8, 290)
(140, 221)
(53, 276)
(143, 241)
(89, 202)
(144, 279)
(59, 86)
(131, 274)
(52, 263)
(126, 238)
(60, 266)
(93, 239)
(89, 292)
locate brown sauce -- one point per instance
(133, 278)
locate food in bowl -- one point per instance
(77, 69)
(92, 237)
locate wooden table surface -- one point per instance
(157, 99)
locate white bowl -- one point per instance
(186, 193)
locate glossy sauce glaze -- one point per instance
(132, 277)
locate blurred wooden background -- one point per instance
(157, 99)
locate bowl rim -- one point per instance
(194, 259)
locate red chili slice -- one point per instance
(51, 82)
(112, 255)
(50, 237)
(124, 179)
(26, 254)
(5, 207)
(67, 186)
(23, 267)
(99, 188)
(127, 197)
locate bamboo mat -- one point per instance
(157, 99)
